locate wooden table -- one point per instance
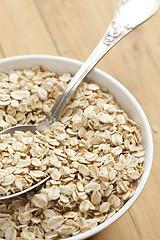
(72, 28)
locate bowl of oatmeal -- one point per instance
(98, 155)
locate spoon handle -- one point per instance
(128, 15)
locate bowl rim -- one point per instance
(147, 128)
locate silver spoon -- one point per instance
(128, 15)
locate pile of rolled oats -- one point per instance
(93, 155)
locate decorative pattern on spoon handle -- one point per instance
(116, 29)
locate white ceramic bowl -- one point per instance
(125, 99)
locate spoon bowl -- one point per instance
(23, 128)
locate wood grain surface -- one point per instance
(72, 28)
